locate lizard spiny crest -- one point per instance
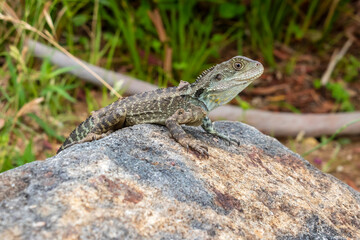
(204, 73)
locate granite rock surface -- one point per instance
(138, 183)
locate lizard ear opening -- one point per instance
(199, 92)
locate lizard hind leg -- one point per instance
(110, 122)
(106, 125)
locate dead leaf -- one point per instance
(168, 59)
(277, 98)
(156, 19)
(9, 11)
(29, 107)
(158, 23)
(269, 90)
(2, 123)
(48, 17)
(282, 55)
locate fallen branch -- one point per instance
(130, 84)
(290, 124)
(278, 124)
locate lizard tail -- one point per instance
(78, 133)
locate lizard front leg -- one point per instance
(208, 126)
(190, 117)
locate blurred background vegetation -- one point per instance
(164, 41)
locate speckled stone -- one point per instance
(138, 183)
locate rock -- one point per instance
(138, 183)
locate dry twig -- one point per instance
(335, 58)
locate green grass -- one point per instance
(325, 141)
(120, 34)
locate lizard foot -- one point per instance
(230, 140)
(95, 136)
(198, 147)
(227, 138)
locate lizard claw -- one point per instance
(236, 141)
(198, 147)
(201, 149)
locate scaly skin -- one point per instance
(186, 104)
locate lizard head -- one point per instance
(221, 83)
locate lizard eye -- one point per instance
(238, 66)
(218, 77)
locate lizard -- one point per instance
(188, 103)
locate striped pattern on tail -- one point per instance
(78, 133)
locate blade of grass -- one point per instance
(48, 130)
(330, 138)
(58, 89)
